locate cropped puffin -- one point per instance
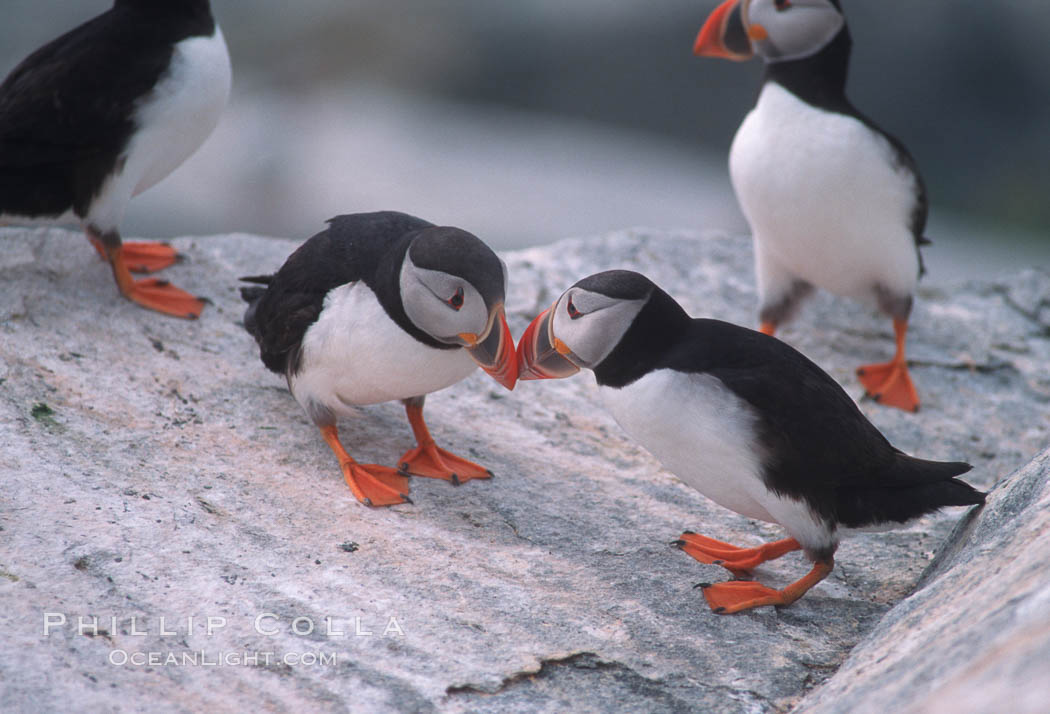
(104, 112)
(832, 200)
(377, 307)
(743, 418)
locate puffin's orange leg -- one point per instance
(767, 328)
(737, 595)
(736, 560)
(159, 295)
(372, 484)
(142, 257)
(429, 460)
(889, 382)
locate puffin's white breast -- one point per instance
(825, 195)
(171, 122)
(355, 354)
(706, 435)
(699, 430)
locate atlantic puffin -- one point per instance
(379, 307)
(102, 113)
(832, 200)
(743, 418)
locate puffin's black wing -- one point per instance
(350, 249)
(66, 112)
(817, 444)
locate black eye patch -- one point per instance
(456, 301)
(573, 312)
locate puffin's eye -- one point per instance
(456, 301)
(782, 4)
(573, 312)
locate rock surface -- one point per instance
(153, 469)
(975, 637)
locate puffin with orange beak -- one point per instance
(743, 418)
(378, 307)
(833, 201)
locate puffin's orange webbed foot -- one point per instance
(371, 484)
(736, 560)
(148, 257)
(375, 485)
(428, 459)
(737, 595)
(140, 257)
(889, 383)
(162, 296)
(159, 295)
(434, 462)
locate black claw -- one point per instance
(455, 479)
(677, 543)
(367, 502)
(405, 496)
(877, 397)
(403, 468)
(719, 610)
(688, 533)
(491, 475)
(701, 585)
(860, 371)
(718, 562)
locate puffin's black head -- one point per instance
(452, 287)
(777, 30)
(584, 325)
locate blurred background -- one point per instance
(534, 120)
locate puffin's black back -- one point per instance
(66, 110)
(817, 444)
(362, 246)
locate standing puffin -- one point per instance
(377, 307)
(832, 199)
(741, 417)
(104, 112)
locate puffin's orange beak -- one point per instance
(724, 34)
(495, 353)
(540, 354)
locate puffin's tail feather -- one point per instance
(913, 488)
(909, 471)
(251, 295)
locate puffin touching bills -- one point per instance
(377, 307)
(101, 114)
(743, 418)
(832, 200)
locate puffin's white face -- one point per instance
(444, 306)
(591, 324)
(784, 30)
(777, 30)
(579, 330)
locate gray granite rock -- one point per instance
(153, 469)
(975, 636)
